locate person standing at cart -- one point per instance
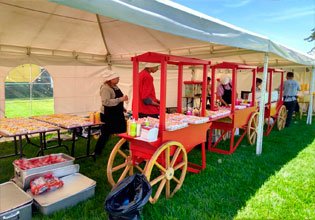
(208, 103)
(290, 90)
(149, 105)
(112, 110)
(258, 84)
(224, 91)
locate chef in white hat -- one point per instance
(224, 91)
(112, 109)
(149, 105)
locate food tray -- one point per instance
(14, 202)
(66, 121)
(197, 120)
(58, 172)
(76, 188)
(20, 175)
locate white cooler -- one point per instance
(14, 202)
(76, 188)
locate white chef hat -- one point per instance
(225, 80)
(109, 75)
(151, 65)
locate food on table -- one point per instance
(18, 126)
(174, 121)
(222, 111)
(25, 164)
(64, 120)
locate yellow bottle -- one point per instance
(128, 126)
(97, 117)
(91, 117)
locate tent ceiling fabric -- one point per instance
(130, 28)
(41, 24)
(178, 20)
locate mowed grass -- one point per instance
(289, 194)
(26, 108)
(279, 184)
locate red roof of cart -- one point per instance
(171, 59)
(229, 65)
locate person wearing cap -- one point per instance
(224, 91)
(290, 90)
(149, 105)
(112, 109)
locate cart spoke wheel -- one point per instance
(282, 117)
(120, 164)
(166, 169)
(252, 128)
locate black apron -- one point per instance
(114, 116)
(227, 95)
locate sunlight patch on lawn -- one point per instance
(289, 194)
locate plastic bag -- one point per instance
(126, 200)
(45, 183)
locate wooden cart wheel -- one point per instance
(120, 164)
(252, 128)
(282, 117)
(166, 170)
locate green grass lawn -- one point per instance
(26, 108)
(279, 184)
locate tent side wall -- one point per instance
(75, 82)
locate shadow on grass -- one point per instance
(230, 180)
(218, 192)
(90, 209)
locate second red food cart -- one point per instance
(244, 119)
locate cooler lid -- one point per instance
(73, 184)
(12, 197)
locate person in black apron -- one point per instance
(208, 102)
(112, 110)
(225, 93)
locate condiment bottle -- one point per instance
(133, 128)
(91, 117)
(146, 122)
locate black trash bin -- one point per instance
(126, 200)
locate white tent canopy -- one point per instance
(75, 45)
(125, 28)
(178, 20)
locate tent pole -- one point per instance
(104, 40)
(310, 106)
(260, 131)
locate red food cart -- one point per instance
(275, 111)
(164, 162)
(245, 118)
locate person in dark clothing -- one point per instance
(112, 110)
(290, 89)
(224, 91)
(258, 84)
(208, 103)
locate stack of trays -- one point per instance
(76, 187)
(22, 177)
